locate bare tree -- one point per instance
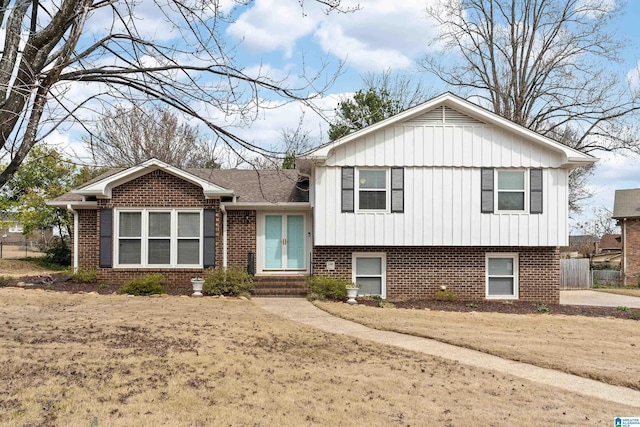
(544, 64)
(127, 136)
(60, 59)
(402, 87)
(600, 224)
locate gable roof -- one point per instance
(247, 186)
(626, 204)
(572, 157)
(102, 188)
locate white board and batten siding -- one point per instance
(442, 166)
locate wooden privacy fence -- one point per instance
(606, 277)
(575, 274)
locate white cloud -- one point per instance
(274, 25)
(380, 35)
(593, 9)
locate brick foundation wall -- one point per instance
(241, 237)
(631, 252)
(418, 272)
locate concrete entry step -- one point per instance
(280, 286)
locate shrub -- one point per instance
(58, 253)
(149, 284)
(446, 296)
(327, 288)
(384, 304)
(542, 308)
(82, 275)
(4, 280)
(232, 281)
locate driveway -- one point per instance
(583, 297)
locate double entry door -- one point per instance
(284, 242)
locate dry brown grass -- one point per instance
(18, 268)
(598, 348)
(69, 359)
(633, 292)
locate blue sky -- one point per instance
(383, 35)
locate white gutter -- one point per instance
(224, 236)
(75, 237)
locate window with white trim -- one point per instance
(15, 228)
(369, 270)
(511, 190)
(372, 189)
(502, 276)
(159, 238)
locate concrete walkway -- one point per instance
(604, 299)
(302, 311)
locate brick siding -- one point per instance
(418, 272)
(241, 237)
(631, 252)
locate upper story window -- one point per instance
(511, 190)
(15, 228)
(166, 238)
(372, 189)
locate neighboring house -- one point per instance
(11, 232)
(626, 210)
(584, 245)
(610, 243)
(446, 193)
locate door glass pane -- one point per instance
(295, 241)
(188, 224)
(129, 251)
(511, 201)
(500, 266)
(188, 251)
(159, 251)
(510, 180)
(373, 179)
(373, 200)
(130, 224)
(368, 266)
(159, 224)
(501, 286)
(273, 241)
(370, 285)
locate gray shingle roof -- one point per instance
(249, 186)
(627, 204)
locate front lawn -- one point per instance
(70, 359)
(592, 347)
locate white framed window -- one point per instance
(158, 238)
(501, 276)
(373, 191)
(370, 270)
(15, 228)
(511, 191)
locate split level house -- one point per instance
(445, 193)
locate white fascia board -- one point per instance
(266, 206)
(74, 205)
(103, 187)
(572, 156)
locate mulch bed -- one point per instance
(59, 282)
(515, 307)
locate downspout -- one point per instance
(75, 236)
(624, 249)
(224, 236)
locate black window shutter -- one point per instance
(106, 238)
(535, 191)
(347, 189)
(209, 238)
(397, 189)
(486, 199)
